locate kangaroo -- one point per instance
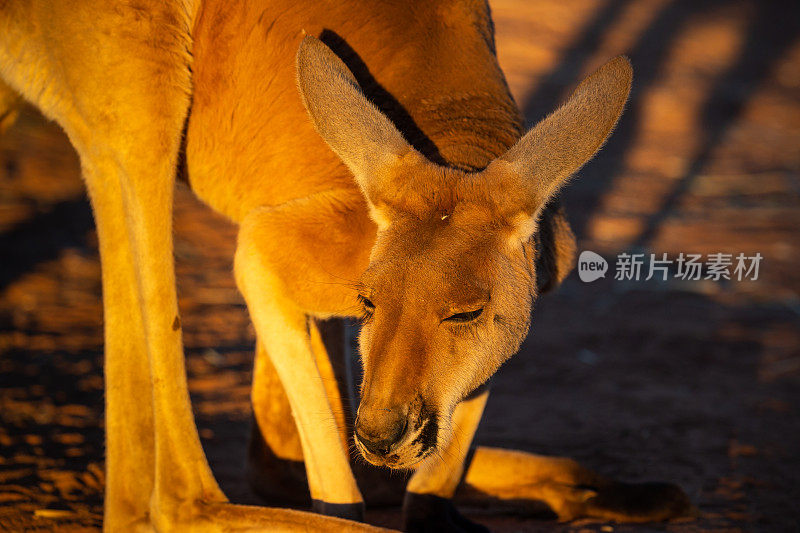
(377, 166)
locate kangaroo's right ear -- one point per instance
(360, 134)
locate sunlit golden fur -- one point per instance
(305, 216)
(451, 239)
(379, 170)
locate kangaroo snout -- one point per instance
(380, 429)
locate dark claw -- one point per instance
(426, 513)
(349, 511)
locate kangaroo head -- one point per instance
(448, 292)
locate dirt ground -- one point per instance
(694, 382)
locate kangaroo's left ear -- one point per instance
(532, 170)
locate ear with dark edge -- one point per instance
(532, 170)
(363, 137)
(555, 247)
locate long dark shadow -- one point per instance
(772, 30)
(648, 55)
(43, 237)
(548, 92)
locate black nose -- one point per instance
(381, 439)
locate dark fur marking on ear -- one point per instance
(555, 247)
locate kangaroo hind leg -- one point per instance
(117, 79)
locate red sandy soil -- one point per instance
(694, 382)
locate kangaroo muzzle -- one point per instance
(381, 429)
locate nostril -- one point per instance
(396, 433)
(381, 442)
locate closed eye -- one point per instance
(469, 316)
(369, 307)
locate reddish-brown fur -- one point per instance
(429, 206)
(459, 101)
(433, 69)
